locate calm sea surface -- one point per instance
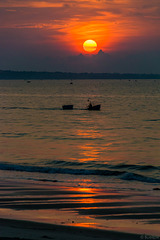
(118, 145)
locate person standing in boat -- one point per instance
(90, 104)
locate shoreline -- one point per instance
(32, 230)
(75, 211)
(37, 75)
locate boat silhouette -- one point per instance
(67, 107)
(93, 107)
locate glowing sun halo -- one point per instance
(90, 45)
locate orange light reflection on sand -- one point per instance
(87, 195)
(88, 190)
(85, 224)
(83, 190)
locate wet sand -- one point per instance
(30, 210)
(13, 229)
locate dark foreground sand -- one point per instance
(36, 211)
(15, 229)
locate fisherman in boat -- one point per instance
(90, 104)
(93, 107)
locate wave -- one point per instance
(15, 167)
(123, 175)
(135, 167)
(138, 177)
(105, 165)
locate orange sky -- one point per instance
(63, 26)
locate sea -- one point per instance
(117, 147)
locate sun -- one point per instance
(90, 45)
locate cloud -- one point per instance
(30, 3)
(50, 31)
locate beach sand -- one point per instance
(13, 229)
(42, 210)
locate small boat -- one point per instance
(94, 107)
(67, 107)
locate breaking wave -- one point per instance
(123, 175)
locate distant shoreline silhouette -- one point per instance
(28, 75)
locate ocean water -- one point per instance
(117, 146)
